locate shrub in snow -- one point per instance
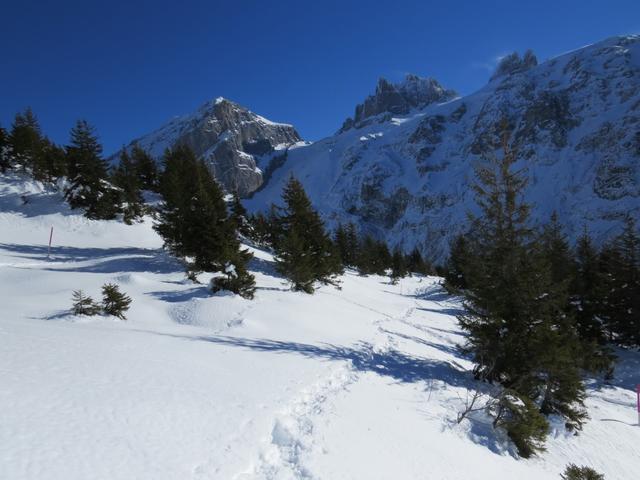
(573, 472)
(83, 304)
(114, 302)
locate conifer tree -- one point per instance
(125, 177)
(5, 158)
(83, 304)
(574, 472)
(460, 259)
(90, 188)
(623, 296)
(240, 216)
(26, 141)
(304, 251)
(398, 266)
(145, 168)
(555, 248)
(114, 302)
(417, 264)
(519, 332)
(194, 222)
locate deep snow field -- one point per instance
(359, 383)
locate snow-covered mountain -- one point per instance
(403, 166)
(230, 138)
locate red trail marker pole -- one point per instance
(50, 238)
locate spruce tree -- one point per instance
(240, 216)
(5, 156)
(194, 223)
(83, 305)
(519, 332)
(398, 266)
(417, 264)
(90, 188)
(574, 472)
(623, 296)
(114, 302)
(305, 254)
(460, 259)
(125, 177)
(345, 238)
(26, 142)
(145, 167)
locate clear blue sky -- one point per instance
(128, 67)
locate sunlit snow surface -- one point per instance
(359, 383)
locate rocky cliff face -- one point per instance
(231, 139)
(402, 168)
(397, 99)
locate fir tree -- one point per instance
(417, 264)
(588, 302)
(574, 472)
(26, 142)
(304, 252)
(345, 239)
(519, 331)
(90, 188)
(5, 156)
(83, 305)
(555, 248)
(398, 266)
(623, 297)
(194, 223)
(125, 177)
(145, 168)
(114, 302)
(459, 260)
(239, 216)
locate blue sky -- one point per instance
(128, 67)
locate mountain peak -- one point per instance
(399, 98)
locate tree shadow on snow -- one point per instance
(106, 260)
(394, 364)
(173, 296)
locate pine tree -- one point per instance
(125, 177)
(26, 142)
(519, 332)
(573, 472)
(83, 305)
(90, 188)
(417, 264)
(588, 302)
(194, 223)
(240, 216)
(304, 251)
(623, 297)
(145, 167)
(5, 157)
(398, 266)
(555, 248)
(460, 259)
(114, 302)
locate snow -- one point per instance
(361, 382)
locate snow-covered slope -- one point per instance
(229, 138)
(359, 383)
(406, 177)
